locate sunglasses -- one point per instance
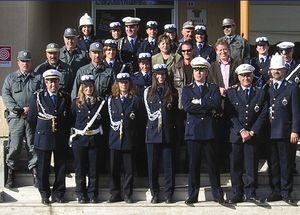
(187, 50)
(227, 26)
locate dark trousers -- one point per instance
(43, 171)
(197, 149)
(121, 161)
(244, 153)
(86, 164)
(156, 152)
(281, 161)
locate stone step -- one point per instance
(146, 208)
(25, 179)
(31, 194)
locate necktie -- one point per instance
(152, 43)
(88, 101)
(200, 46)
(200, 89)
(276, 86)
(132, 43)
(262, 61)
(287, 65)
(247, 94)
(111, 65)
(53, 97)
(160, 92)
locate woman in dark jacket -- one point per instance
(161, 103)
(123, 113)
(86, 138)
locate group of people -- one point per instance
(145, 99)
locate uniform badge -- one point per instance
(132, 115)
(297, 80)
(284, 101)
(169, 106)
(256, 108)
(99, 116)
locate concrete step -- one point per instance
(146, 208)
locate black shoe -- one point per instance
(58, 199)
(113, 199)
(190, 202)
(236, 199)
(289, 200)
(274, 197)
(81, 200)
(155, 199)
(169, 200)
(128, 199)
(93, 200)
(45, 201)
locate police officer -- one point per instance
(123, 107)
(201, 100)
(202, 48)
(86, 33)
(285, 127)
(130, 45)
(115, 30)
(161, 103)
(239, 47)
(16, 91)
(261, 62)
(286, 49)
(110, 58)
(53, 62)
(103, 76)
(86, 139)
(70, 53)
(142, 79)
(49, 112)
(247, 110)
(171, 31)
(151, 40)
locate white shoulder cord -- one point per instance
(115, 125)
(43, 114)
(151, 116)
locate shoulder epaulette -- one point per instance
(38, 91)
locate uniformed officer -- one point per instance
(49, 112)
(110, 58)
(285, 127)
(286, 49)
(86, 33)
(239, 47)
(201, 100)
(261, 62)
(161, 103)
(202, 48)
(142, 79)
(103, 76)
(171, 31)
(246, 110)
(87, 110)
(151, 40)
(70, 53)
(130, 45)
(115, 30)
(123, 107)
(53, 62)
(16, 91)
(187, 31)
